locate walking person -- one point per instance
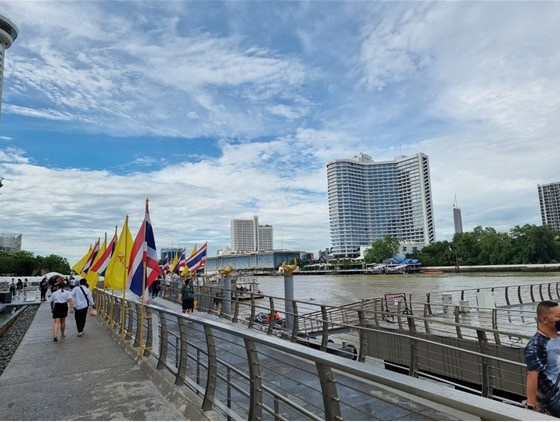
(82, 299)
(59, 307)
(542, 356)
(43, 287)
(13, 288)
(19, 287)
(25, 285)
(187, 296)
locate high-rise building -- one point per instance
(8, 34)
(549, 199)
(457, 220)
(249, 236)
(10, 243)
(369, 200)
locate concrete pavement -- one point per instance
(81, 378)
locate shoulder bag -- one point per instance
(92, 311)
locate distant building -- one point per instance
(10, 243)
(172, 252)
(457, 220)
(549, 199)
(249, 236)
(257, 261)
(8, 34)
(369, 200)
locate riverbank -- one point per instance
(527, 268)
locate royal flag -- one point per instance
(117, 270)
(197, 260)
(77, 267)
(143, 256)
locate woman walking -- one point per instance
(59, 307)
(82, 299)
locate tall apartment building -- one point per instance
(549, 199)
(369, 200)
(249, 236)
(8, 34)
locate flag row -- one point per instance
(127, 263)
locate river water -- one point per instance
(344, 289)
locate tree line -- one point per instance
(24, 263)
(528, 244)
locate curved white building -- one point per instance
(369, 200)
(8, 34)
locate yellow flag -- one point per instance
(185, 270)
(92, 277)
(174, 263)
(117, 271)
(78, 266)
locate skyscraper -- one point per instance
(457, 220)
(8, 34)
(369, 200)
(549, 199)
(249, 236)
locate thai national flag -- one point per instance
(165, 266)
(91, 258)
(103, 262)
(144, 255)
(198, 259)
(181, 260)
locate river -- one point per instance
(343, 289)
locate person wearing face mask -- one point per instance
(542, 357)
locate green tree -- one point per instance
(436, 254)
(56, 263)
(382, 249)
(534, 244)
(24, 263)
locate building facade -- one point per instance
(369, 200)
(249, 236)
(549, 199)
(8, 34)
(10, 243)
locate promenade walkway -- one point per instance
(79, 378)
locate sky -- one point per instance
(225, 110)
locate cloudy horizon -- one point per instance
(225, 110)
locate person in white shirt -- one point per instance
(59, 307)
(82, 299)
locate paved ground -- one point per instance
(77, 378)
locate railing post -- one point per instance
(363, 337)
(519, 295)
(235, 316)
(429, 306)
(295, 321)
(486, 386)
(540, 292)
(255, 381)
(252, 314)
(399, 315)
(375, 312)
(138, 322)
(495, 325)
(130, 324)
(427, 309)
(507, 296)
(270, 328)
(331, 401)
(183, 356)
(458, 322)
(549, 292)
(532, 294)
(149, 333)
(163, 339)
(414, 358)
(212, 371)
(325, 328)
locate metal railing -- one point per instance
(250, 375)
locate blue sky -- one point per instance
(222, 110)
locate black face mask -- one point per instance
(557, 325)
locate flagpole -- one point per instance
(142, 299)
(125, 275)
